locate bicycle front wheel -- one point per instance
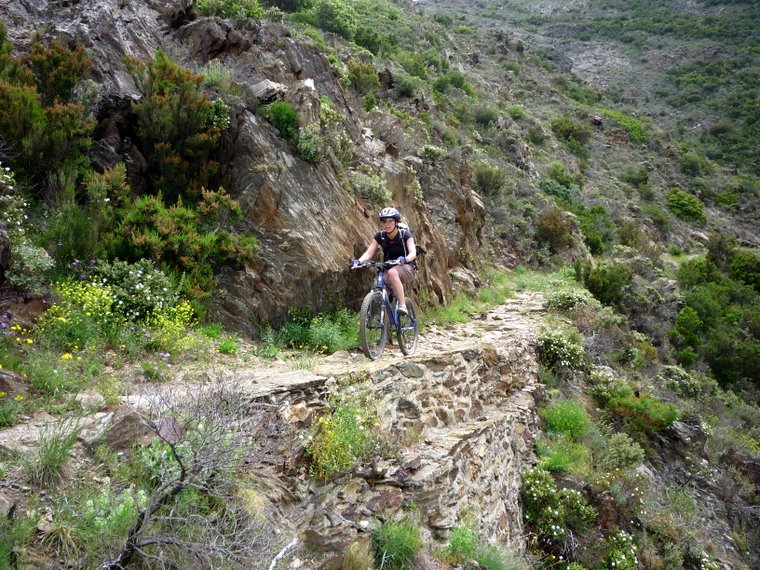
(373, 333)
(408, 329)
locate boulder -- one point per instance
(12, 384)
(119, 430)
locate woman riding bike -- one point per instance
(397, 244)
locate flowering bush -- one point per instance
(138, 288)
(621, 551)
(82, 316)
(561, 349)
(30, 263)
(167, 328)
(29, 268)
(550, 512)
(567, 300)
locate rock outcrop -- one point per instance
(308, 219)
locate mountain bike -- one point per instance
(379, 316)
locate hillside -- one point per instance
(183, 186)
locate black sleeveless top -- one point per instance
(393, 248)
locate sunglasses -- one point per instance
(386, 220)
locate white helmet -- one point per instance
(390, 213)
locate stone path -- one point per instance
(517, 319)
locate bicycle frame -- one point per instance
(388, 297)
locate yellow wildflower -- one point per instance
(2, 394)
(19, 398)
(66, 356)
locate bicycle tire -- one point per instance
(371, 325)
(408, 329)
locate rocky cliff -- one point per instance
(308, 218)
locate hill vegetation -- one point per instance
(653, 325)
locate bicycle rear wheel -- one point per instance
(373, 333)
(408, 329)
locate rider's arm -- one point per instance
(370, 253)
(411, 249)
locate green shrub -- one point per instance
(311, 144)
(596, 226)
(567, 129)
(697, 271)
(336, 16)
(185, 239)
(635, 175)
(554, 188)
(687, 334)
(396, 545)
(745, 267)
(11, 409)
(406, 85)
(229, 346)
(559, 174)
(685, 206)
(432, 152)
(333, 332)
(283, 117)
(217, 74)
(461, 547)
(30, 269)
(488, 181)
(363, 77)
(567, 300)
(138, 289)
(560, 454)
(369, 39)
(516, 112)
(635, 129)
(606, 282)
(566, 417)
(692, 164)
(82, 316)
(243, 11)
(554, 228)
(57, 69)
(536, 135)
(642, 413)
(371, 187)
(212, 331)
(342, 436)
(486, 115)
(178, 126)
(620, 452)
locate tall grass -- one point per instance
(46, 466)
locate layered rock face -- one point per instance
(308, 218)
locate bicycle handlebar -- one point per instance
(378, 265)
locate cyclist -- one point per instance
(397, 243)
